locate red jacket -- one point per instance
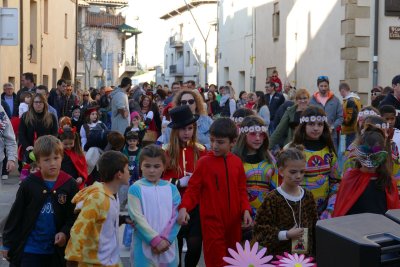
(353, 185)
(219, 185)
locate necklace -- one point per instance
(294, 216)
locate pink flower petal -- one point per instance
(234, 254)
(231, 260)
(254, 249)
(261, 253)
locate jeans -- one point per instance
(36, 260)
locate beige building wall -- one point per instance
(307, 46)
(9, 56)
(331, 37)
(48, 42)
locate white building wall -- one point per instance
(235, 43)
(184, 28)
(308, 45)
(388, 51)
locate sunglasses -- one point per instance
(256, 134)
(323, 78)
(376, 93)
(85, 95)
(187, 102)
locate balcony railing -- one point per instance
(104, 20)
(175, 42)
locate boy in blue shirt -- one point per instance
(42, 215)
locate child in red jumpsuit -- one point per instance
(218, 184)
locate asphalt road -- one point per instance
(8, 189)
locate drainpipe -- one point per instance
(376, 43)
(21, 38)
(76, 45)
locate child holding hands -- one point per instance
(153, 206)
(218, 184)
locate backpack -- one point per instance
(97, 136)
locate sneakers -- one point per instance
(4, 177)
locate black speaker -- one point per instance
(394, 215)
(361, 240)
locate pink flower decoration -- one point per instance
(248, 257)
(294, 260)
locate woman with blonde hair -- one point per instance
(290, 120)
(196, 104)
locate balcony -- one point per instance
(128, 66)
(175, 42)
(104, 20)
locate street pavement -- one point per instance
(8, 190)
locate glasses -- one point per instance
(257, 134)
(37, 102)
(274, 76)
(376, 93)
(302, 99)
(323, 78)
(187, 102)
(85, 95)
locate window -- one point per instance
(46, 16)
(187, 64)
(166, 61)
(275, 22)
(172, 59)
(81, 52)
(66, 25)
(242, 80)
(33, 47)
(11, 80)
(179, 54)
(98, 49)
(5, 3)
(45, 80)
(54, 78)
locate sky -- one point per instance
(145, 15)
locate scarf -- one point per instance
(80, 165)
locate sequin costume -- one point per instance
(321, 178)
(262, 177)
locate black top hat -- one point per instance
(182, 116)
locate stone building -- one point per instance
(46, 45)
(348, 40)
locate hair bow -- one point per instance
(66, 128)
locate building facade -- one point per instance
(190, 51)
(304, 39)
(102, 35)
(46, 45)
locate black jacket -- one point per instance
(14, 112)
(29, 201)
(391, 100)
(277, 100)
(26, 133)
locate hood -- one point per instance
(82, 195)
(352, 95)
(210, 153)
(62, 178)
(116, 90)
(317, 95)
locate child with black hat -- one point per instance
(182, 153)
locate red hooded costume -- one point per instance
(353, 185)
(218, 184)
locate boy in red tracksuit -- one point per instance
(218, 184)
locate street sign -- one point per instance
(9, 26)
(394, 32)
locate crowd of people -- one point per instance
(196, 168)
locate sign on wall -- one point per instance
(394, 32)
(8, 26)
